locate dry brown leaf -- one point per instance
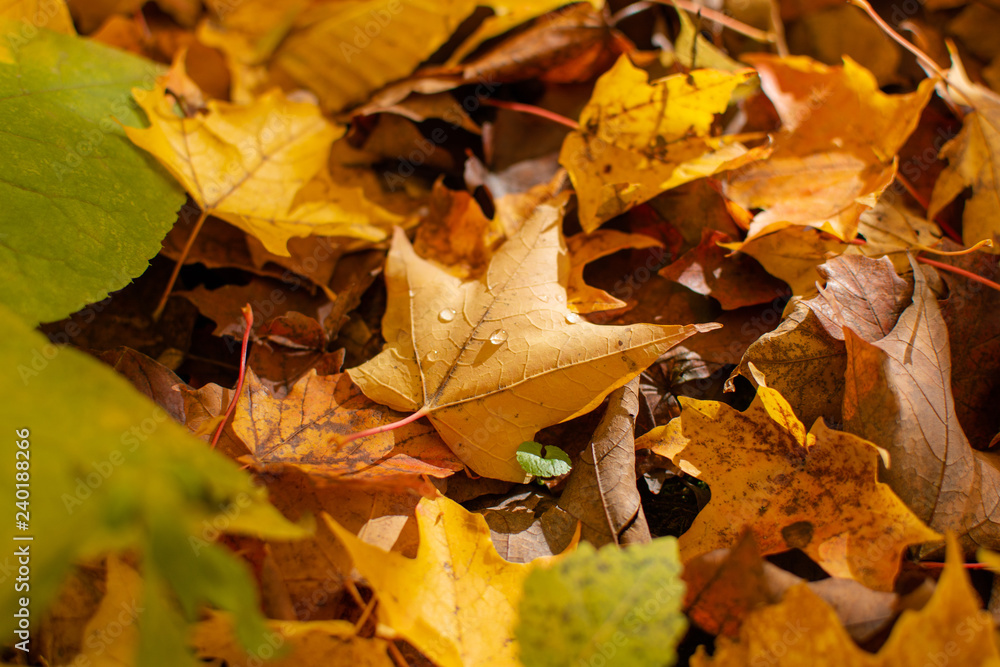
(814, 491)
(805, 357)
(898, 395)
(296, 430)
(970, 311)
(601, 492)
(725, 585)
(733, 281)
(492, 361)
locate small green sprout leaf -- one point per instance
(553, 463)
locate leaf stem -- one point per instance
(177, 267)
(341, 440)
(920, 55)
(535, 111)
(961, 272)
(755, 34)
(928, 565)
(248, 319)
(945, 227)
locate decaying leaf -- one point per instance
(805, 357)
(296, 429)
(494, 360)
(637, 139)
(725, 585)
(606, 471)
(814, 491)
(733, 281)
(898, 396)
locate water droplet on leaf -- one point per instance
(498, 337)
(572, 318)
(446, 315)
(432, 356)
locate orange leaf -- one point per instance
(792, 488)
(295, 431)
(836, 149)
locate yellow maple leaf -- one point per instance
(836, 151)
(256, 166)
(492, 361)
(457, 601)
(814, 491)
(973, 160)
(950, 629)
(377, 42)
(638, 139)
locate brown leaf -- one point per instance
(527, 525)
(572, 45)
(725, 585)
(805, 358)
(733, 281)
(268, 298)
(601, 491)
(296, 431)
(816, 491)
(150, 377)
(898, 395)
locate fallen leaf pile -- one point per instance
(392, 332)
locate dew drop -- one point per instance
(544, 298)
(498, 337)
(572, 318)
(446, 315)
(432, 356)
(412, 293)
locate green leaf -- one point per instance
(83, 209)
(555, 461)
(611, 607)
(109, 470)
